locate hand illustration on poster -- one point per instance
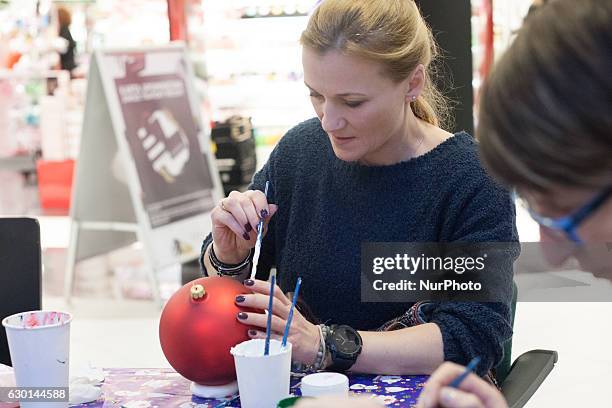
(166, 144)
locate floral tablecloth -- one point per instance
(164, 388)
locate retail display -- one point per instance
(40, 108)
(125, 23)
(20, 113)
(34, 93)
(254, 64)
(40, 119)
(29, 36)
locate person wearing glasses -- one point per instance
(545, 129)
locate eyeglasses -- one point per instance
(568, 224)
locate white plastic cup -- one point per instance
(262, 380)
(39, 343)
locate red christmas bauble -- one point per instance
(198, 327)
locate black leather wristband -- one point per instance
(227, 269)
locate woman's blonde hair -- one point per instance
(391, 32)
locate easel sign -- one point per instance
(145, 169)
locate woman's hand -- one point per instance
(473, 392)
(303, 335)
(234, 224)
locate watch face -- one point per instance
(346, 341)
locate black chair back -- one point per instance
(20, 272)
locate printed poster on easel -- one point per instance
(155, 177)
(162, 135)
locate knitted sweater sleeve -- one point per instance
(471, 329)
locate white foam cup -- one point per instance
(39, 343)
(262, 380)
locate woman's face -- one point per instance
(362, 110)
(595, 254)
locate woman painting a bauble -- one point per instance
(375, 165)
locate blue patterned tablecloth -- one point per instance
(164, 388)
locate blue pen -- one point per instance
(468, 369)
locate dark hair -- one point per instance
(546, 110)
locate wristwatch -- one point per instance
(344, 345)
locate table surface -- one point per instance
(152, 388)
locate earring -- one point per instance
(414, 98)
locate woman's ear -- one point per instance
(415, 83)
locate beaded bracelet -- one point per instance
(227, 269)
(320, 360)
(303, 369)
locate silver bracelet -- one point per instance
(320, 360)
(303, 369)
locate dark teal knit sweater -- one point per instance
(327, 207)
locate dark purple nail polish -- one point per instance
(248, 227)
(240, 299)
(252, 333)
(242, 316)
(249, 282)
(264, 213)
(246, 236)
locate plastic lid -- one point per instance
(325, 384)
